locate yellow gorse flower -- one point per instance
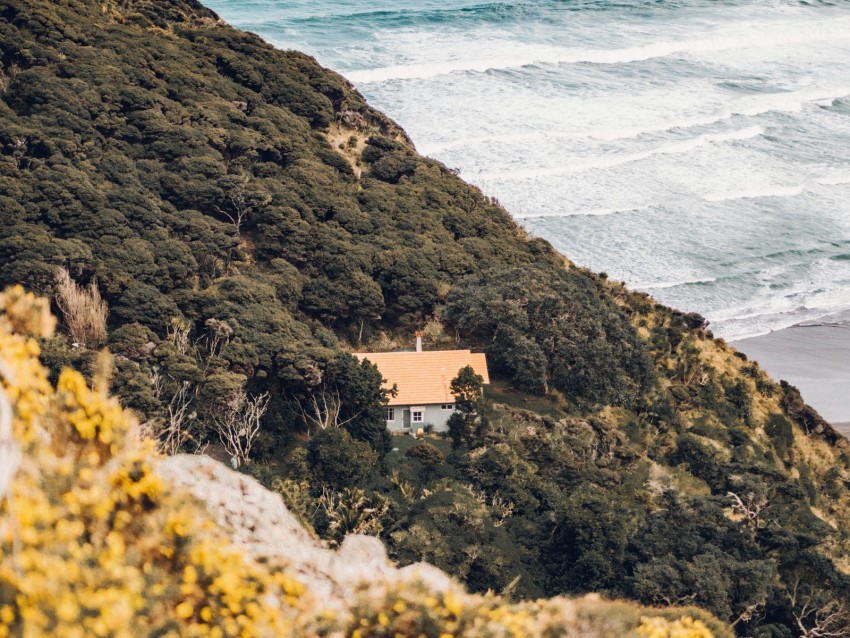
(103, 547)
(684, 627)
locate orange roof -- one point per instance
(424, 378)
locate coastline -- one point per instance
(813, 357)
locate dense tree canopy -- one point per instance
(553, 328)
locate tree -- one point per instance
(240, 202)
(338, 461)
(466, 423)
(352, 297)
(819, 616)
(550, 328)
(351, 397)
(238, 422)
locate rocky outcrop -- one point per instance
(258, 521)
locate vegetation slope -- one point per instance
(249, 220)
(95, 542)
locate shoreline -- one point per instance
(813, 357)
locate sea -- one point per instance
(698, 150)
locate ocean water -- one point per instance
(696, 149)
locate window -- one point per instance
(447, 406)
(390, 414)
(417, 416)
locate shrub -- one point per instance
(425, 453)
(83, 310)
(779, 429)
(336, 460)
(102, 546)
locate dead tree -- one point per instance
(178, 335)
(751, 507)
(173, 430)
(219, 335)
(323, 410)
(819, 620)
(238, 423)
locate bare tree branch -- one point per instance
(323, 410)
(238, 423)
(178, 334)
(814, 620)
(750, 506)
(241, 202)
(174, 430)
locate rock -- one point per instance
(257, 520)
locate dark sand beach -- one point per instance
(816, 359)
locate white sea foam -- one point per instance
(581, 126)
(661, 285)
(834, 180)
(480, 56)
(790, 102)
(577, 165)
(588, 212)
(778, 191)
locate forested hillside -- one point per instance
(249, 220)
(101, 537)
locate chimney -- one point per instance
(418, 341)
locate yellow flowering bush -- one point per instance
(657, 627)
(92, 543)
(414, 610)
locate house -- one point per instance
(423, 380)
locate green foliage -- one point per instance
(350, 511)
(454, 530)
(466, 424)
(804, 415)
(779, 429)
(737, 394)
(588, 550)
(553, 328)
(425, 453)
(336, 460)
(701, 457)
(362, 399)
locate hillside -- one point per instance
(101, 537)
(249, 220)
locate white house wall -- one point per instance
(433, 415)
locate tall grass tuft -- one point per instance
(83, 310)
